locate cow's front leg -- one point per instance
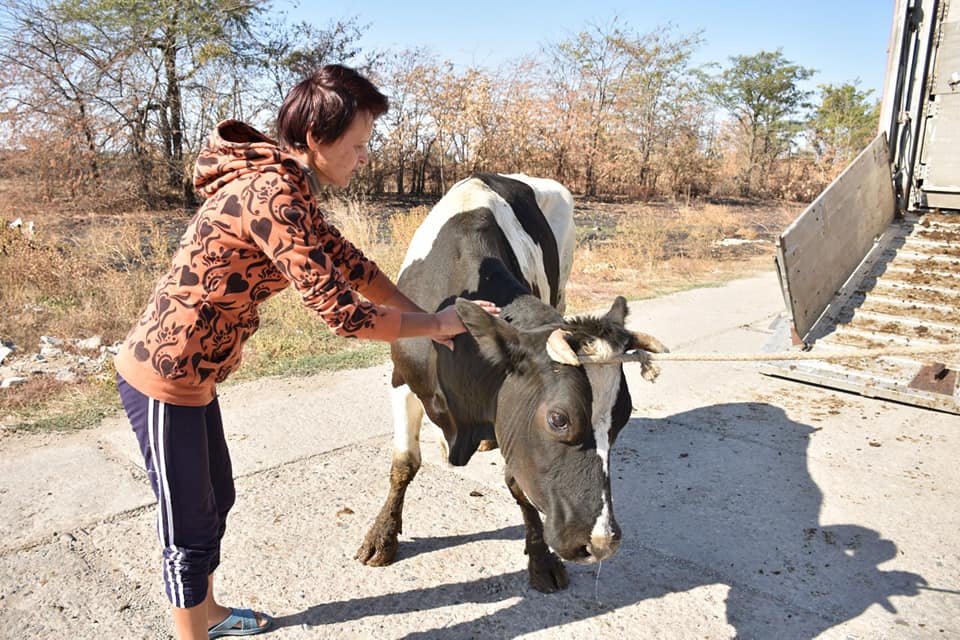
(379, 546)
(547, 573)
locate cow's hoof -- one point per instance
(547, 573)
(487, 445)
(377, 550)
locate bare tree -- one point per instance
(660, 99)
(287, 53)
(409, 133)
(589, 70)
(50, 85)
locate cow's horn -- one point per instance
(559, 349)
(647, 342)
(643, 345)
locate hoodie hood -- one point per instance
(235, 149)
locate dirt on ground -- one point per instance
(751, 507)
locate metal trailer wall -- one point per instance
(872, 262)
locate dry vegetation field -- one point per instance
(89, 274)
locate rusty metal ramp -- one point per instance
(906, 292)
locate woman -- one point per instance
(258, 231)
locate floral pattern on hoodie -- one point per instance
(258, 231)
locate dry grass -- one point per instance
(383, 236)
(294, 341)
(91, 275)
(403, 224)
(79, 280)
(644, 250)
(45, 404)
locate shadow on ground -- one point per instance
(717, 495)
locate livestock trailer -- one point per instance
(874, 261)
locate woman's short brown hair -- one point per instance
(325, 104)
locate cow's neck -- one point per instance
(499, 283)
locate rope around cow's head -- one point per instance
(643, 346)
(851, 354)
(647, 350)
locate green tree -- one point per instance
(842, 124)
(762, 94)
(160, 47)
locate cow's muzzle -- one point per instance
(601, 548)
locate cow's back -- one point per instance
(535, 216)
(556, 205)
(487, 238)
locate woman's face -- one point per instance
(335, 162)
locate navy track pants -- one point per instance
(186, 458)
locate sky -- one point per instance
(843, 41)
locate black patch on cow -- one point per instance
(520, 196)
(621, 410)
(529, 312)
(477, 263)
(476, 260)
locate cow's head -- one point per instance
(557, 420)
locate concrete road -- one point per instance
(751, 507)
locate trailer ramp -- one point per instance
(904, 292)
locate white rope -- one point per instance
(645, 356)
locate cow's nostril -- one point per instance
(584, 552)
(603, 551)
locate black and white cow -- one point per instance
(514, 379)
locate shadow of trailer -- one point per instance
(874, 261)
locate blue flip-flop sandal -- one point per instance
(240, 622)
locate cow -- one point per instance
(513, 381)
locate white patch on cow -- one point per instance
(603, 528)
(407, 418)
(552, 198)
(556, 203)
(605, 384)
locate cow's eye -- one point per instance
(558, 421)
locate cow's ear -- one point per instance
(618, 312)
(496, 339)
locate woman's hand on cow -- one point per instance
(488, 306)
(450, 325)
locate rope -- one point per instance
(645, 356)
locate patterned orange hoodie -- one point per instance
(258, 231)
